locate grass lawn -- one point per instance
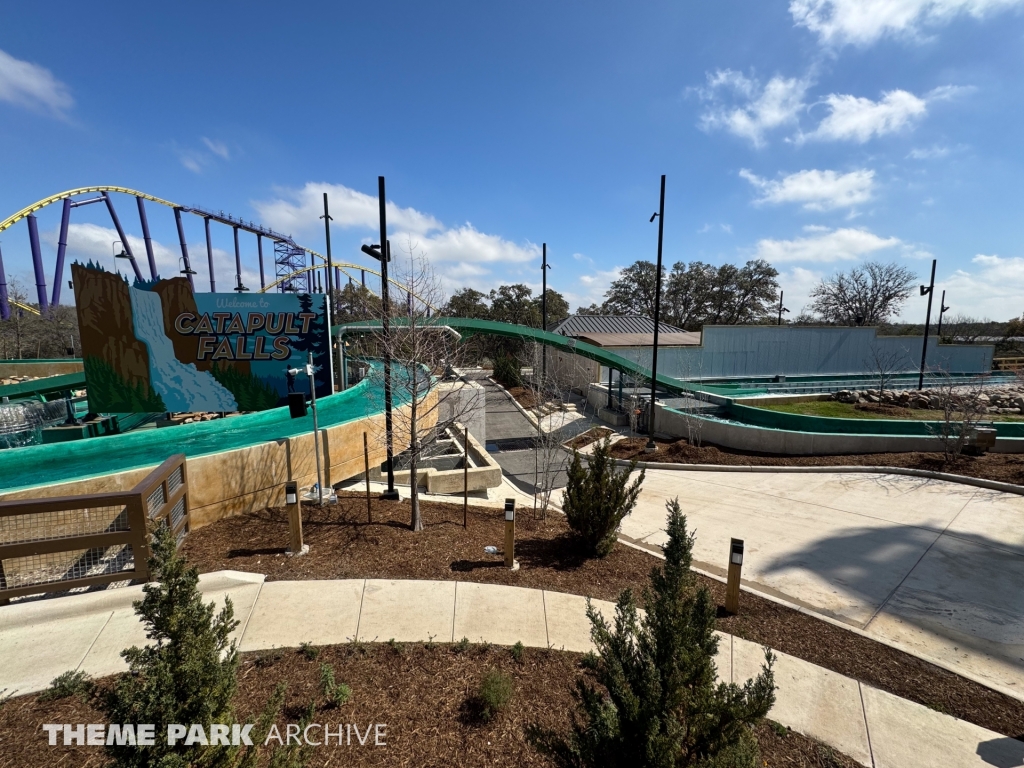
(836, 410)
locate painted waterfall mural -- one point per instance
(155, 346)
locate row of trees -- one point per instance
(507, 304)
(30, 335)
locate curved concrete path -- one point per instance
(41, 639)
(927, 566)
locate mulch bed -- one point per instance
(588, 437)
(1001, 467)
(524, 396)
(343, 545)
(423, 693)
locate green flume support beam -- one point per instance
(469, 327)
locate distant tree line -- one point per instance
(28, 335)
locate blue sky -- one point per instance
(814, 133)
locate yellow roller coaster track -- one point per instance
(80, 191)
(12, 220)
(344, 268)
(26, 307)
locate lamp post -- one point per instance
(544, 267)
(382, 253)
(926, 290)
(943, 309)
(651, 445)
(186, 270)
(781, 308)
(330, 284)
(122, 255)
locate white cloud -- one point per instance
(30, 85)
(855, 118)
(91, 241)
(797, 284)
(822, 246)
(466, 245)
(299, 210)
(993, 289)
(759, 109)
(815, 190)
(589, 288)
(863, 22)
(218, 148)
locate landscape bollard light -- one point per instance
(732, 587)
(510, 535)
(291, 500)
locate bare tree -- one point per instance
(870, 294)
(964, 329)
(962, 409)
(429, 396)
(555, 415)
(884, 364)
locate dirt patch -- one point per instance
(1001, 467)
(588, 437)
(419, 691)
(886, 410)
(343, 545)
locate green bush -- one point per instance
(494, 695)
(517, 652)
(335, 693)
(597, 498)
(507, 371)
(656, 703)
(187, 675)
(310, 651)
(67, 684)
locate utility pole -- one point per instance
(330, 291)
(926, 290)
(781, 308)
(651, 446)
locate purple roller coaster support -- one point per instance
(121, 234)
(209, 254)
(145, 236)
(5, 306)
(362, 274)
(259, 248)
(37, 262)
(309, 273)
(337, 277)
(62, 246)
(184, 247)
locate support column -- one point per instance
(62, 247)
(259, 248)
(184, 247)
(5, 305)
(209, 255)
(120, 233)
(146, 238)
(238, 262)
(37, 263)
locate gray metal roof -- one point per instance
(580, 325)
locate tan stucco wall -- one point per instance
(252, 478)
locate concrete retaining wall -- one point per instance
(793, 443)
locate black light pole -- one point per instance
(943, 309)
(330, 287)
(544, 311)
(651, 446)
(926, 290)
(781, 308)
(384, 255)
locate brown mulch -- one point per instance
(344, 545)
(588, 437)
(524, 396)
(422, 693)
(1001, 467)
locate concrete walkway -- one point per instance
(42, 639)
(931, 567)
